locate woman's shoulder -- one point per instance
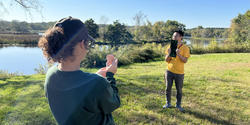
(52, 70)
(94, 78)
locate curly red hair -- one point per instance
(53, 45)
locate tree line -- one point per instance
(23, 27)
(201, 32)
(118, 33)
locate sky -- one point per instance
(192, 13)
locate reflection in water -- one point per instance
(201, 43)
(19, 45)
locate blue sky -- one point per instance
(192, 13)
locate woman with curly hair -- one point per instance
(76, 97)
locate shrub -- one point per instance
(127, 54)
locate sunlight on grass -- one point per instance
(216, 91)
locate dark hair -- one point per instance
(59, 41)
(54, 45)
(179, 32)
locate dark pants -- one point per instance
(178, 78)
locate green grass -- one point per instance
(216, 91)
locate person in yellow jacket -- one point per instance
(175, 69)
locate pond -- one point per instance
(24, 60)
(19, 59)
(201, 42)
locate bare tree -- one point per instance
(103, 26)
(139, 20)
(27, 5)
(104, 20)
(3, 9)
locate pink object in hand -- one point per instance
(104, 69)
(110, 58)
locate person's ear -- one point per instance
(82, 45)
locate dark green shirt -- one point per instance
(80, 98)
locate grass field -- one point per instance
(216, 91)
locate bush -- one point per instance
(42, 69)
(127, 54)
(96, 57)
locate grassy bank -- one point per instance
(214, 47)
(129, 54)
(216, 91)
(19, 38)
